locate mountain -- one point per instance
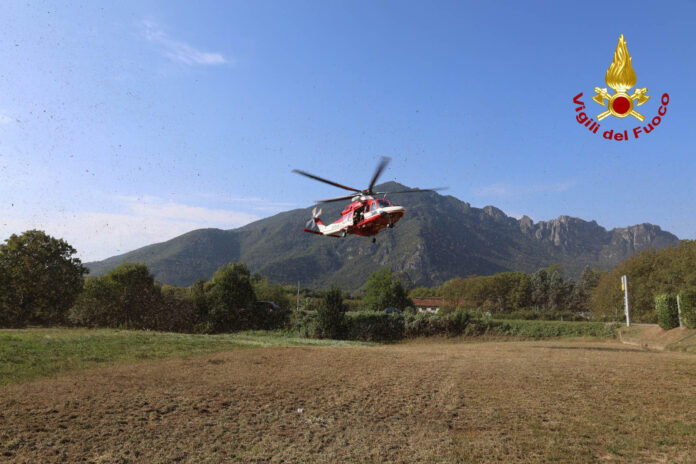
(439, 238)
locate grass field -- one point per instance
(27, 354)
(426, 401)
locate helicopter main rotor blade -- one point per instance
(347, 197)
(436, 189)
(378, 172)
(326, 181)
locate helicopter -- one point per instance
(365, 215)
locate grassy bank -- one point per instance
(653, 337)
(26, 354)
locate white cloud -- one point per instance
(253, 203)
(158, 208)
(101, 235)
(506, 190)
(180, 51)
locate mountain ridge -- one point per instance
(439, 238)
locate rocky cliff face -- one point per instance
(574, 234)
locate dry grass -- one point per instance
(653, 337)
(552, 401)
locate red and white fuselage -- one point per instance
(365, 216)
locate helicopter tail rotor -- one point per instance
(315, 220)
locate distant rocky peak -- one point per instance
(526, 223)
(640, 236)
(495, 213)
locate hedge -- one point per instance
(373, 326)
(687, 302)
(542, 329)
(459, 322)
(537, 315)
(667, 312)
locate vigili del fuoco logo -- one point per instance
(621, 78)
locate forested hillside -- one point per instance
(439, 238)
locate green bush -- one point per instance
(667, 312)
(261, 317)
(458, 322)
(331, 315)
(543, 329)
(537, 315)
(687, 302)
(373, 326)
(229, 291)
(422, 325)
(304, 323)
(125, 297)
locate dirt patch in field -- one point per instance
(655, 338)
(558, 401)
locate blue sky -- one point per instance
(127, 123)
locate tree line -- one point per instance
(671, 270)
(543, 294)
(596, 295)
(42, 283)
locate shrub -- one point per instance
(687, 302)
(304, 323)
(458, 322)
(667, 312)
(374, 326)
(261, 317)
(535, 314)
(331, 315)
(125, 297)
(175, 315)
(229, 291)
(410, 310)
(97, 305)
(422, 325)
(542, 329)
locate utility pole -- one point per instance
(681, 324)
(627, 309)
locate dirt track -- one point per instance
(421, 402)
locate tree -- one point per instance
(125, 297)
(331, 314)
(265, 290)
(559, 292)
(383, 291)
(40, 279)
(540, 288)
(651, 272)
(229, 291)
(522, 293)
(424, 292)
(580, 298)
